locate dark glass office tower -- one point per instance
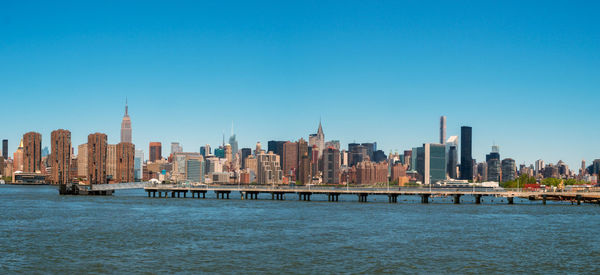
(466, 157)
(5, 148)
(452, 162)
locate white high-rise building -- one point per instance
(138, 165)
(539, 165)
(176, 148)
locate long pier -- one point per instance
(362, 194)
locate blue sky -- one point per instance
(524, 75)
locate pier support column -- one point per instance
(477, 199)
(154, 194)
(425, 198)
(511, 200)
(456, 198)
(362, 197)
(578, 198)
(544, 197)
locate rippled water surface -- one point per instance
(42, 232)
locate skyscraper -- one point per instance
(60, 157)
(371, 148)
(96, 152)
(452, 158)
(126, 126)
(82, 161)
(18, 158)
(431, 164)
(494, 170)
(205, 150)
(138, 168)
(509, 170)
(32, 152)
(317, 139)
(246, 152)
(331, 166)
(276, 146)
(155, 151)
(125, 162)
(466, 157)
(176, 148)
(442, 129)
(111, 161)
(5, 148)
(194, 170)
(539, 166)
(303, 171)
(290, 159)
(268, 169)
(233, 141)
(228, 153)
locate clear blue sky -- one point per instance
(524, 75)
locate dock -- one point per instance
(362, 194)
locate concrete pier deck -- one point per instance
(362, 194)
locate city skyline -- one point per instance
(388, 76)
(166, 151)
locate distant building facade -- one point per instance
(331, 166)
(32, 152)
(60, 156)
(96, 154)
(155, 151)
(82, 161)
(125, 162)
(269, 171)
(509, 170)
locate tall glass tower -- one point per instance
(466, 157)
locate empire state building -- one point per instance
(126, 127)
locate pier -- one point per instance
(362, 194)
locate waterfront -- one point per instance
(46, 233)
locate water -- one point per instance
(42, 232)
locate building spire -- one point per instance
(126, 107)
(320, 130)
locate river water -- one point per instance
(42, 232)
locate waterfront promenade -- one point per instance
(304, 193)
